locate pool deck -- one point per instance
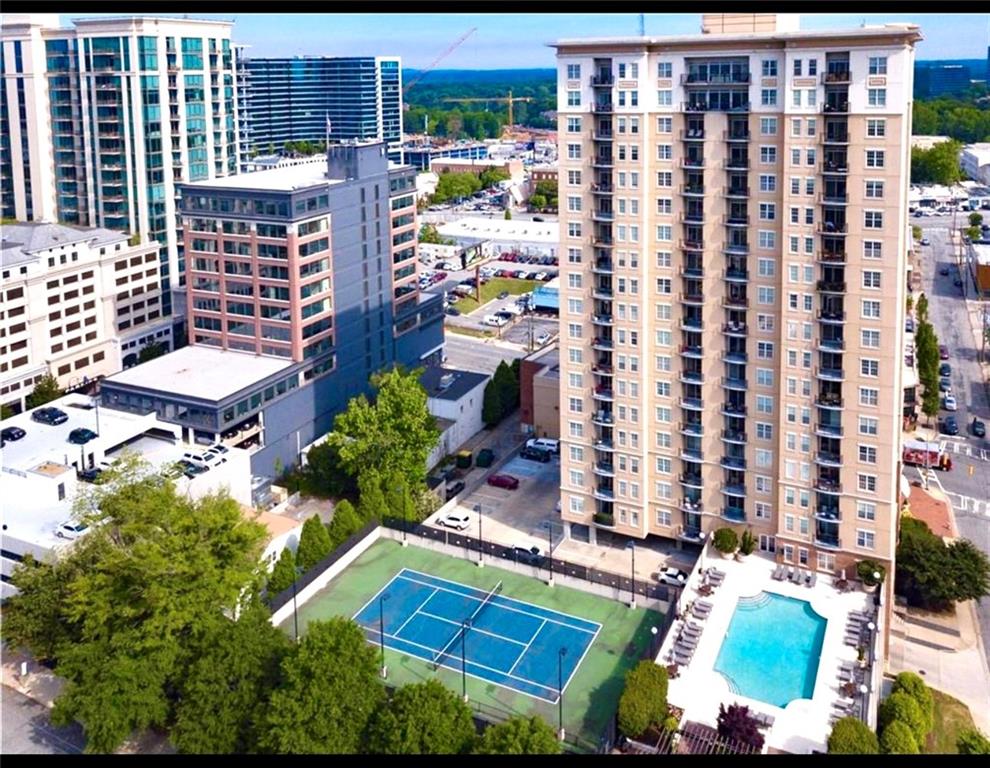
(803, 725)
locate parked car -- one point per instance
(10, 434)
(190, 469)
(504, 481)
(978, 428)
(81, 436)
(505, 315)
(945, 369)
(909, 325)
(541, 276)
(486, 456)
(71, 530)
(547, 443)
(925, 241)
(452, 312)
(672, 576)
(950, 403)
(530, 555)
(201, 458)
(456, 519)
(495, 320)
(543, 338)
(453, 489)
(521, 274)
(949, 426)
(943, 352)
(538, 218)
(90, 475)
(50, 416)
(945, 384)
(503, 295)
(533, 453)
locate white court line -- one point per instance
(505, 607)
(413, 614)
(526, 647)
(580, 662)
(375, 596)
(473, 628)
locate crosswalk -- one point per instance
(960, 503)
(965, 449)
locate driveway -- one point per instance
(27, 729)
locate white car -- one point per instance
(543, 338)
(202, 458)
(541, 275)
(495, 320)
(950, 403)
(71, 530)
(546, 443)
(458, 520)
(672, 576)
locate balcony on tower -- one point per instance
(829, 423)
(694, 158)
(694, 185)
(831, 339)
(737, 214)
(835, 130)
(691, 449)
(833, 251)
(735, 377)
(691, 348)
(694, 212)
(829, 452)
(604, 516)
(829, 395)
(602, 131)
(738, 130)
(733, 432)
(735, 513)
(828, 482)
(691, 425)
(603, 211)
(693, 266)
(735, 297)
(734, 405)
(604, 417)
(835, 161)
(833, 309)
(603, 159)
(691, 321)
(602, 77)
(602, 107)
(603, 266)
(826, 528)
(735, 269)
(603, 289)
(737, 186)
(721, 71)
(734, 483)
(834, 191)
(737, 242)
(833, 279)
(694, 129)
(738, 159)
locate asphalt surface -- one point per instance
(968, 484)
(479, 355)
(27, 729)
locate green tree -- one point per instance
(372, 505)
(491, 405)
(912, 684)
(428, 234)
(851, 736)
(644, 698)
(548, 190)
(314, 543)
(399, 497)
(930, 403)
(972, 742)
(394, 435)
(153, 573)
(283, 574)
(331, 716)
(492, 176)
(6, 412)
(422, 719)
(897, 739)
(519, 736)
(508, 387)
(933, 575)
(922, 308)
(324, 474)
(224, 695)
(973, 233)
(46, 390)
(938, 165)
(975, 219)
(508, 215)
(345, 522)
(916, 232)
(537, 201)
(900, 706)
(151, 351)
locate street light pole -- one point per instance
(560, 692)
(481, 540)
(632, 583)
(405, 517)
(550, 550)
(464, 627)
(653, 641)
(381, 631)
(295, 615)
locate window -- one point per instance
(866, 483)
(767, 239)
(876, 97)
(575, 405)
(574, 255)
(664, 205)
(765, 267)
(574, 178)
(796, 97)
(769, 68)
(664, 233)
(866, 510)
(574, 125)
(665, 97)
(665, 124)
(573, 71)
(768, 182)
(812, 67)
(867, 454)
(795, 157)
(764, 377)
(573, 151)
(574, 98)
(869, 396)
(577, 477)
(797, 67)
(871, 309)
(871, 278)
(665, 179)
(768, 155)
(878, 65)
(868, 425)
(874, 158)
(574, 330)
(874, 189)
(574, 229)
(873, 219)
(865, 539)
(764, 350)
(664, 69)
(872, 249)
(764, 404)
(575, 306)
(768, 97)
(870, 339)
(870, 368)
(663, 259)
(796, 126)
(876, 128)
(768, 211)
(764, 430)
(768, 126)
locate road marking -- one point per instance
(969, 504)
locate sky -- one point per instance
(519, 40)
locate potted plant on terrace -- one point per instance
(870, 573)
(747, 543)
(725, 541)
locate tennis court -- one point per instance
(504, 641)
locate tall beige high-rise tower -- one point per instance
(734, 235)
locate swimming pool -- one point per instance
(772, 649)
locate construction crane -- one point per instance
(424, 72)
(510, 100)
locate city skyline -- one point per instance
(520, 41)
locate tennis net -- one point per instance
(438, 660)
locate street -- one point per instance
(479, 355)
(27, 729)
(968, 484)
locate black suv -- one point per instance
(52, 416)
(524, 555)
(533, 453)
(950, 426)
(10, 434)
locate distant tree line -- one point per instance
(961, 118)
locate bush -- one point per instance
(972, 742)
(725, 540)
(747, 543)
(865, 570)
(915, 687)
(283, 574)
(345, 522)
(851, 736)
(314, 543)
(644, 699)
(897, 739)
(737, 725)
(900, 706)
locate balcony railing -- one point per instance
(835, 107)
(693, 134)
(835, 137)
(836, 77)
(602, 319)
(833, 198)
(692, 481)
(831, 286)
(604, 108)
(602, 189)
(697, 106)
(692, 298)
(829, 401)
(833, 167)
(691, 428)
(693, 189)
(733, 462)
(692, 245)
(691, 350)
(692, 324)
(604, 445)
(599, 81)
(828, 430)
(603, 266)
(735, 78)
(735, 356)
(733, 436)
(832, 257)
(602, 161)
(692, 505)
(730, 409)
(603, 418)
(832, 228)
(603, 393)
(741, 275)
(736, 163)
(604, 520)
(598, 215)
(691, 454)
(828, 459)
(735, 135)
(605, 469)
(828, 486)
(735, 191)
(735, 302)
(736, 514)
(734, 489)
(737, 221)
(599, 343)
(692, 403)
(831, 317)
(829, 542)
(601, 292)
(602, 135)
(693, 163)
(692, 272)
(605, 494)
(732, 383)
(734, 329)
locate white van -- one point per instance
(495, 320)
(546, 443)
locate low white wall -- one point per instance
(324, 578)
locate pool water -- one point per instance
(772, 649)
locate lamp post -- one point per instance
(632, 584)
(550, 551)
(481, 540)
(405, 517)
(653, 641)
(464, 628)
(381, 631)
(295, 614)
(560, 692)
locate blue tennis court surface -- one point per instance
(508, 642)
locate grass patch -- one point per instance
(492, 289)
(469, 331)
(951, 717)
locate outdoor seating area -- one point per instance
(688, 633)
(800, 576)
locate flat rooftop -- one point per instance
(20, 241)
(458, 383)
(981, 253)
(201, 372)
(286, 179)
(499, 229)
